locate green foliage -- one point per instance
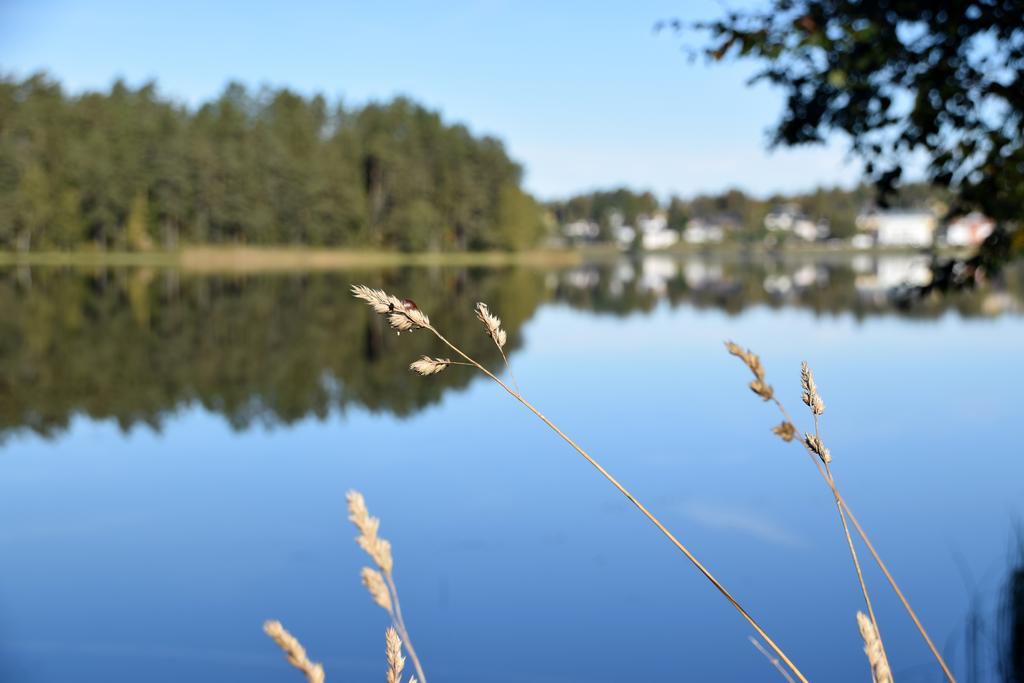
(127, 169)
(901, 79)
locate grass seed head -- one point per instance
(785, 431)
(492, 325)
(880, 671)
(818, 447)
(401, 314)
(393, 649)
(429, 366)
(294, 651)
(810, 396)
(377, 548)
(759, 386)
(378, 590)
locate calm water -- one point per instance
(175, 449)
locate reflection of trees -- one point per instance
(1011, 625)
(865, 287)
(135, 345)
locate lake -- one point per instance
(175, 450)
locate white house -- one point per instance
(900, 227)
(653, 231)
(581, 229)
(790, 218)
(702, 231)
(970, 230)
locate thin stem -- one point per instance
(849, 541)
(629, 496)
(403, 632)
(772, 659)
(874, 553)
(508, 366)
(853, 554)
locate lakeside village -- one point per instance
(787, 224)
(885, 249)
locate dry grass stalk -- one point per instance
(811, 397)
(492, 326)
(823, 469)
(294, 651)
(759, 387)
(380, 584)
(880, 671)
(773, 660)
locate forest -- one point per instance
(130, 169)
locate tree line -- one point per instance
(131, 169)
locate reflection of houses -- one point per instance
(900, 227)
(790, 218)
(703, 231)
(970, 230)
(803, 277)
(701, 274)
(889, 273)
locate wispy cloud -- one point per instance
(728, 518)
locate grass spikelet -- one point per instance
(759, 386)
(880, 671)
(429, 366)
(378, 589)
(785, 431)
(492, 324)
(393, 649)
(294, 651)
(818, 447)
(401, 314)
(379, 300)
(811, 397)
(377, 548)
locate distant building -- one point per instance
(790, 218)
(703, 231)
(900, 227)
(582, 229)
(653, 231)
(970, 230)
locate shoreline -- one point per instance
(270, 259)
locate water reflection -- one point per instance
(137, 345)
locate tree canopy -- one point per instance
(941, 80)
(129, 169)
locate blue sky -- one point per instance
(584, 94)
